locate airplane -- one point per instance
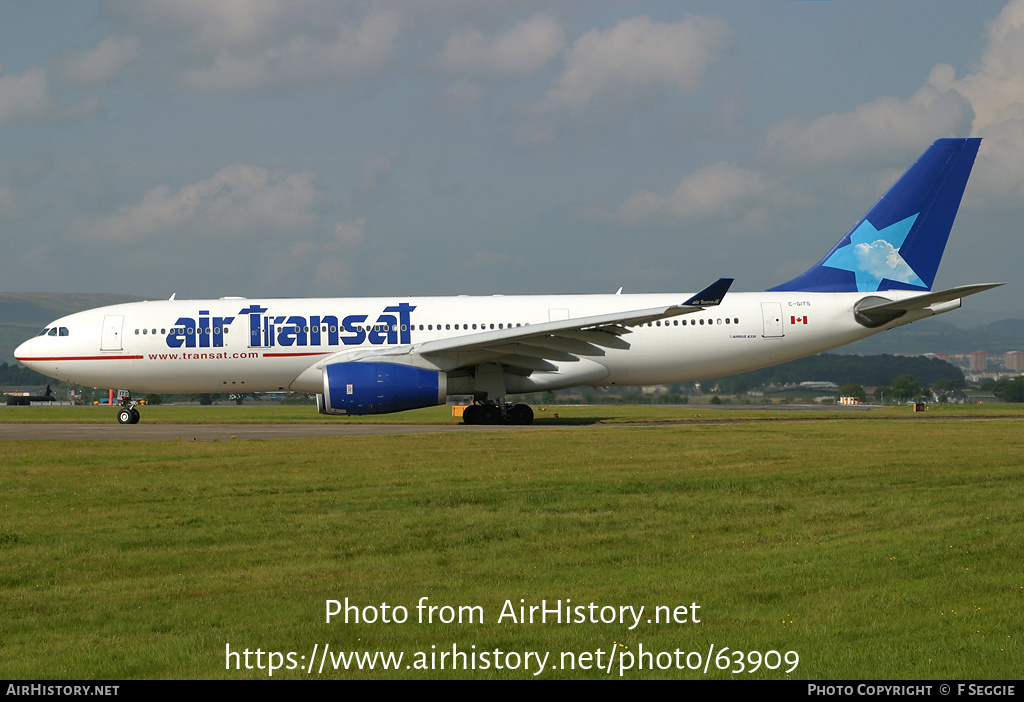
(390, 354)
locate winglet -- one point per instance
(711, 295)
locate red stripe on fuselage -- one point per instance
(80, 358)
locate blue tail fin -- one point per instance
(898, 244)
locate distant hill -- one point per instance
(842, 369)
(936, 336)
(25, 314)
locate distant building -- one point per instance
(1014, 360)
(979, 361)
(979, 396)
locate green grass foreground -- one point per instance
(871, 548)
(544, 414)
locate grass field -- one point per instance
(869, 547)
(544, 414)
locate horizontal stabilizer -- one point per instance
(875, 311)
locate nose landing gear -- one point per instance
(127, 414)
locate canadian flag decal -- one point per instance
(798, 320)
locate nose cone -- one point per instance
(38, 354)
(27, 353)
(23, 351)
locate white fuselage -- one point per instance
(244, 345)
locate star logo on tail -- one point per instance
(873, 255)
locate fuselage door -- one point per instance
(772, 314)
(112, 327)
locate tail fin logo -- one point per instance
(873, 255)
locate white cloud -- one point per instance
(638, 53)
(239, 201)
(28, 98)
(459, 95)
(329, 264)
(376, 170)
(234, 24)
(996, 93)
(101, 64)
(520, 51)
(878, 128)
(355, 52)
(351, 233)
(25, 97)
(986, 102)
(721, 190)
(996, 88)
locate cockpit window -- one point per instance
(43, 332)
(64, 331)
(52, 332)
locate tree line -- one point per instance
(880, 370)
(19, 375)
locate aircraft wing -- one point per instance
(534, 346)
(876, 311)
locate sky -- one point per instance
(271, 148)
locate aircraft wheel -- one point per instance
(489, 414)
(135, 416)
(124, 416)
(471, 415)
(520, 414)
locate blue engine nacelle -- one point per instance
(378, 388)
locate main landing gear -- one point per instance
(493, 413)
(128, 414)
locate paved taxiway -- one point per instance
(222, 432)
(225, 432)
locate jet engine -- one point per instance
(379, 388)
